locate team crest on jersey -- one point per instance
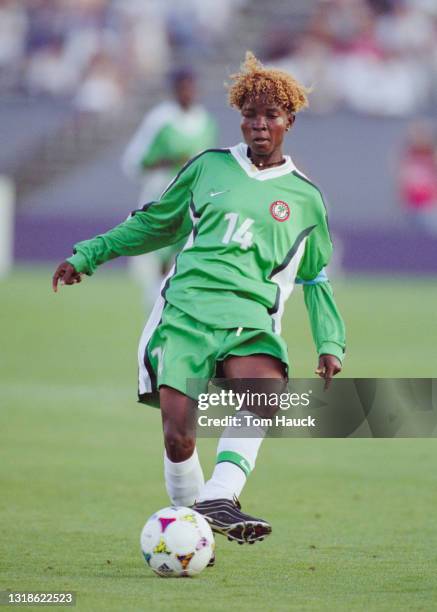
(280, 210)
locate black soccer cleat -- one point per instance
(225, 517)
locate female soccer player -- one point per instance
(254, 226)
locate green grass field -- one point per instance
(81, 463)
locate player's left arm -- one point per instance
(327, 325)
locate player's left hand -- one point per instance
(328, 367)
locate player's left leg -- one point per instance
(236, 456)
(238, 447)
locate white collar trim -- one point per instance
(239, 152)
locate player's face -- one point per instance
(264, 125)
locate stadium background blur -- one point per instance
(77, 76)
(80, 462)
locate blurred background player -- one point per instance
(418, 176)
(169, 135)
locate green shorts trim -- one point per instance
(182, 348)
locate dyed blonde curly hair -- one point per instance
(254, 81)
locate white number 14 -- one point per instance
(241, 235)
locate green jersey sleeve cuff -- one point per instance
(79, 262)
(332, 348)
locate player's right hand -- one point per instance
(66, 274)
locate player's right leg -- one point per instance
(174, 349)
(182, 470)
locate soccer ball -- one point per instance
(177, 541)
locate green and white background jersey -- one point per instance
(249, 235)
(166, 139)
(168, 133)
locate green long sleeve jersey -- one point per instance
(169, 133)
(250, 236)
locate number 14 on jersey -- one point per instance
(241, 235)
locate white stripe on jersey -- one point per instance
(144, 381)
(285, 280)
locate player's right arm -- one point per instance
(156, 225)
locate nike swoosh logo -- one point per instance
(216, 193)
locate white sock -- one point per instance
(236, 458)
(183, 480)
